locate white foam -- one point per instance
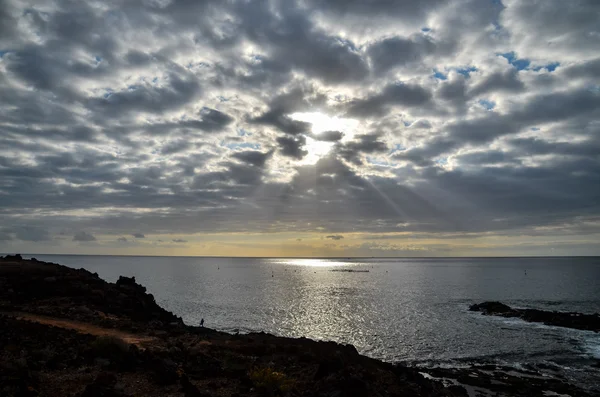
(592, 347)
(551, 393)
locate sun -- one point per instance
(321, 123)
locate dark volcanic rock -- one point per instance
(587, 322)
(52, 289)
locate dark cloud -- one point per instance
(399, 51)
(328, 136)
(253, 157)
(292, 146)
(122, 239)
(335, 237)
(31, 233)
(138, 235)
(401, 94)
(364, 144)
(402, 9)
(5, 236)
(83, 236)
(500, 81)
(211, 120)
(179, 240)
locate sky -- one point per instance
(300, 128)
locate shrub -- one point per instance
(107, 346)
(120, 355)
(270, 381)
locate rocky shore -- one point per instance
(66, 332)
(586, 322)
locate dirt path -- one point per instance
(85, 328)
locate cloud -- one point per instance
(179, 240)
(253, 157)
(329, 136)
(377, 104)
(83, 236)
(5, 236)
(335, 237)
(292, 147)
(31, 233)
(451, 118)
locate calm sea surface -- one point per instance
(410, 310)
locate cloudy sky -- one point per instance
(308, 128)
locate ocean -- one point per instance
(410, 310)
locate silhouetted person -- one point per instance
(202, 322)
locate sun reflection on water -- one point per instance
(312, 262)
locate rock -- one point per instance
(50, 279)
(588, 322)
(165, 371)
(355, 387)
(103, 386)
(329, 366)
(126, 280)
(491, 307)
(16, 257)
(102, 362)
(189, 389)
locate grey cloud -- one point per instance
(178, 91)
(500, 81)
(367, 144)
(328, 136)
(253, 157)
(212, 120)
(281, 106)
(292, 146)
(403, 9)
(175, 147)
(138, 235)
(408, 95)
(31, 233)
(586, 70)
(179, 240)
(335, 237)
(315, 52)
(83, 236)
(282, 122)
(5, 236)
(122, 239)
(398, 51)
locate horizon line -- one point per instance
(318, 257)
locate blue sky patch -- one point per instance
(489, 105)
(439, 75)
(425, 30)
(398, 148)
(466, 71)
(375, 161)
(243, 132)
(511, 57)
(241, 145)
(551, 67)
(2, 52)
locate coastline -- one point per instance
(68, 332)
